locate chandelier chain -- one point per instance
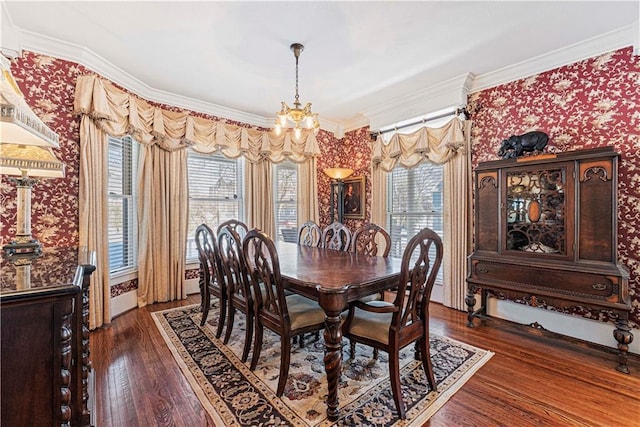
(297, 101)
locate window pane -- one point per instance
(415, 203)
(214, 194)
(121, 216)
(286, 201)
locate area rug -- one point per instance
(235, 396)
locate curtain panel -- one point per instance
(448, 145)
(92, 217)
(165, 134)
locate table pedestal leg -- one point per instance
(333, 304)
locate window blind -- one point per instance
(122, 216)
(286, 201)
(215, 193)
(415, 202)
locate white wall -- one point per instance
(589, 330)
(129, 300)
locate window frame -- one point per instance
(129, 209)
(191, 253)
(291, 204)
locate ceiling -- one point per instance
(361, 59)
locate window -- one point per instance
(286, 201)
(215, 193)
(415, 199)
(415, 202)
(122, 215)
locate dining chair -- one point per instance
(211, 280)
(365, 240)
(336, 236)
(286, 315)
(237, 226)
(309, 234)
(239, 290)
(391, 326)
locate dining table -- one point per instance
(334, 279)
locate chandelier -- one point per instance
(297, 117)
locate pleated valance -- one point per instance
(438, 145)
(119, 113)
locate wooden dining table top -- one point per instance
(313, 270)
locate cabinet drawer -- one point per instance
(587, 285)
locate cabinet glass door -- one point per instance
(536, 210)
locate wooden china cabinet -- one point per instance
(546, 234)
(44, 358)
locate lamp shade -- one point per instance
(29, 160)
(338, 173)
(18, 123)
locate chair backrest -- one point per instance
(263, 266)
(208, 255)
(309, 234)
(232, 261)
(420, 264)
(336, 236)
(364, 240)
(237, 226)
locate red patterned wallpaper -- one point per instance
(48, 86)
(354, 152)
(588, 104)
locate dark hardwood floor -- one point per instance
(532, 380)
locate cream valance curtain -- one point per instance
(438, 145)
(119, 113)
(448, 145)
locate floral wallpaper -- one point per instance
(588, 104)
(352, 151)
(48, 85)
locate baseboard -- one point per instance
(573, 326)
(123, 303)
(192, 286)
(129, 300)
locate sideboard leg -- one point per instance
(623, 335)
(470, 300)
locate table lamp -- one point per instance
(25, 151)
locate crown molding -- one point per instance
(437, 97)
(26, 40)
(607, 42)
(421, 103)
(357, 122)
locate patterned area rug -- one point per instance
(235, 396)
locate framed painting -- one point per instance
(353, 199)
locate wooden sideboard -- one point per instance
(546, 234)
(44, 356)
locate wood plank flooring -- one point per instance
(533, 379)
